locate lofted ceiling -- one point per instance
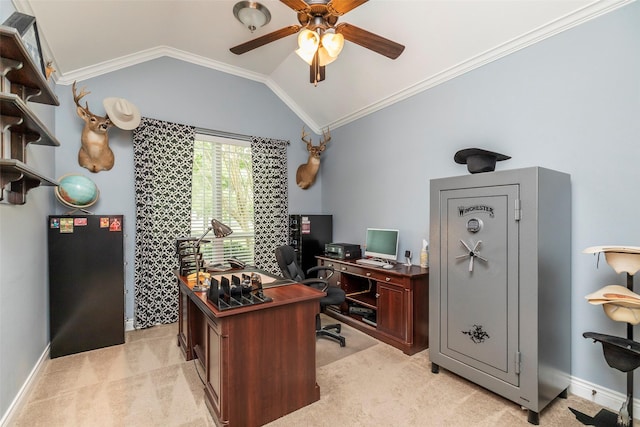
(442, 39)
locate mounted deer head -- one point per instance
(94, 153)
(306, 174)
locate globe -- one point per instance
(76, 191)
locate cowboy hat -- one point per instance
(623, 259)
(620, 353)
(122, 113)
(619, 313)
(478, 160)
(614, 294)
(619, 303)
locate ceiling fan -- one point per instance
(321, 38)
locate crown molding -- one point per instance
(151, 54)
(589, 12)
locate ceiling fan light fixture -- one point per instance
(324, 57)
(251, 14)
(308, 42)
(333, 43)
(305, 55)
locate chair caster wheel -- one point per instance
(339, 328)
(342, 342)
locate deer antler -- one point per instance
(326, 137)
(304, 135)
(77, 97)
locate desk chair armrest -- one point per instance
(320, 284)
(325, 270)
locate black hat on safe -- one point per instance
(479, 160)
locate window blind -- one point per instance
(222, 188)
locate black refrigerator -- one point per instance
(86, 282)
(308, 234)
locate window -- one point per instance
(222, 188)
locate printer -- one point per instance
(342, 251)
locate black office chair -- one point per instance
(286, 257)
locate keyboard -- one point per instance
(366, 261)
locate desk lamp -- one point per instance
(219, 230)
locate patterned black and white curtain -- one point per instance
(271, 200)
(163, 159)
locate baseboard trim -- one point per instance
(128, 325)
(24, 391)
(605, 397)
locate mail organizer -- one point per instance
(236, 290)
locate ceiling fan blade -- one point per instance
(267, 38)
(340, 7)
(297, 5)
(371, 41)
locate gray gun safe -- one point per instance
(500, 282)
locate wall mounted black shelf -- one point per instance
(18, 67)
(22, 179)
(18, 118)
(21, 81)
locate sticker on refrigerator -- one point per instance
(104, 222)
(66, 225)
(54, 223)
(115, 225)
(79, 222)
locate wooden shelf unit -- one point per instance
(21, 81)
(399, 297)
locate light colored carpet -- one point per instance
(328, 350)
(146, 382)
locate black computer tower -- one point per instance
(307, 235)
(86, 282)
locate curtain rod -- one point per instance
(223, 134)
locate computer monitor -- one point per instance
(382, 243)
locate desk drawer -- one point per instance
(348, 268)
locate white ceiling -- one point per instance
(443, 39)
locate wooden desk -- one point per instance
(259, 360)
(399, 297)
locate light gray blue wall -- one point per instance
(24, 316)
(570, 103)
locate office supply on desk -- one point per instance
(382, 243)
(236, 263)
(342, 250)
(290, 269)
(238, 289)
(217, 268)
(373, 262)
